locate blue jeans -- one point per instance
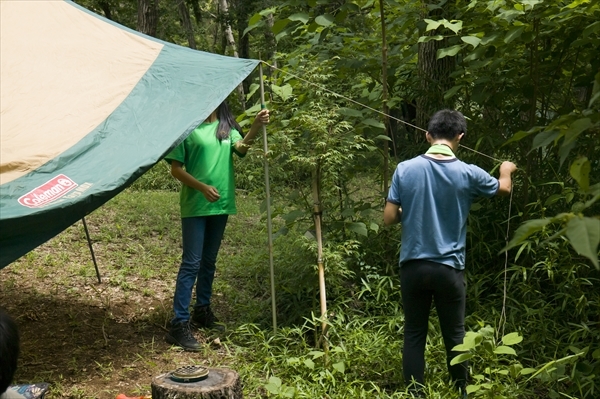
(202, 237)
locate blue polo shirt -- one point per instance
(435, 196)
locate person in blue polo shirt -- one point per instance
(431, 196)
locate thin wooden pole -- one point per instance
(317, 213)
(268, 190)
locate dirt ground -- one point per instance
(90, 339)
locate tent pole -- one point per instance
(87, 234)
(268, 190)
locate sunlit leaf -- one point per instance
(340, 367)
(301, 16)
(324, 20)
(512, 338)
(580, 171)
(472, 40)
(461, 358)
(504, 350)
(431, 24)
(424, 39)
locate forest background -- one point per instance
(526, 74)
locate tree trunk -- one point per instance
(147, 17)
(196, 11)
(184, 14)
(271, 41)
(231, 42)
(434, 75)
(105, 9)
(220, 383)
(385, 108)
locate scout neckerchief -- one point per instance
(442, 149)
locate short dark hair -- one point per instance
(9, 350)
(447, 124)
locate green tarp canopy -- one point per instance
(87, 106)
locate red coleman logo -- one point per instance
(48, 192)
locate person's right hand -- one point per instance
(211, 193)
(508, 167)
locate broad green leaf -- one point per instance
(454, 26)
(524, 231)
(374, 123)
(513, 34)
(580, 171)
(472, 40)
(530, 3)
(461, 358)
(449, 51)
(432, 25)
(374, 227)
(473, 388)
(526, 371)
(316, 354)
(350, 112)
(272, 388)
(324, 20)
(475, 54)
(576, 128)
(284, 92)
(280, 25)
(253, 26)
(592, 28)
(504, 350)
(358, 228)
(289, 392)
(253, 88)
(383, 137)
(293, 215)
(510, 15)
(544, 138)
(512, 338)
(424, 39)
(584, 235)
(301, 16)
(340, 367)
(275, 381)
(309, 363)
(451, 92)
(254, 19)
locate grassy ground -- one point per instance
(95, 340)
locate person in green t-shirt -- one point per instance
(204, 164)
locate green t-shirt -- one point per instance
(210, 161)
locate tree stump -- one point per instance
(221, 383)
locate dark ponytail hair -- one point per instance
(226, 122)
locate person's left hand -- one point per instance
(262, 118)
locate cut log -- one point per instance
(221, 383)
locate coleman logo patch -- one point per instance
(48, 192)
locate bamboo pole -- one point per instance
(268, 195)
(317, 213)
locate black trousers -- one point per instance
(421, 282)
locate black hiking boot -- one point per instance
(203, 317)
(181, 335)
